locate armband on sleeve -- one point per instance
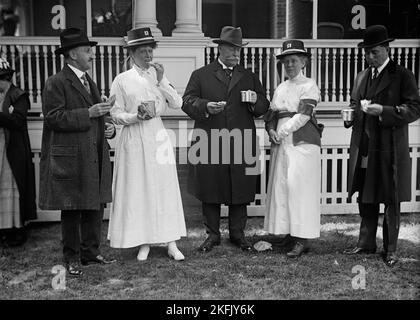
(306, 106)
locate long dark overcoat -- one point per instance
(388, 178)
(220, 178)
(13, 117)
(75, 165)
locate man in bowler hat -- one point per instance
(213, 99)
(75, 167)
(385, 100)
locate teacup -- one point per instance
(347, 114)
(247, 95)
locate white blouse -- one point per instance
(287, 96)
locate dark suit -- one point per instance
(384, 141)
(218, 178)
(75, 169)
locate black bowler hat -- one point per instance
(374, 36)
(139, 37)
(292, 47)
(72, 38)
(232, 36)
(5, 69)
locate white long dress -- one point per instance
(294, 185)
(147, 206)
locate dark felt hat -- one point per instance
(5, 68)
(73, 37)
(292, 47)
(232, 36)
(139, 37)
(374, 36)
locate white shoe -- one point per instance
(143, 253)
(176, 254)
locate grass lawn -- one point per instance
(224, 273)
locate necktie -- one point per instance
(228, 72)
(85, 83)
(375, 73)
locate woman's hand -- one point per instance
(159, 70)
(142, 113)
(274, 137)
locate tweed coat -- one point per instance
(13, 117)
(388, 178)
(75, 168)
(215, 179)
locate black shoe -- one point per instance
(73, 269)
(359, 250)
(98, 259)
(242, 243)
(208, 244)
(298, 249)
(390, 259)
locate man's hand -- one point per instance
(373, 109)
(215, 107)
(159, 70)
(109, 130)
(274, 137)
(99, 109)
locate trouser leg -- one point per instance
(391, 227)
(237, 220)
(369, 213)
(91, 226)
(70, 230)
(211, 214)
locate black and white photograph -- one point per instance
(209, 158)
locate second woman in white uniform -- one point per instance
(147, 207)
(294, 186)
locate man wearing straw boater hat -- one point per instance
(224, 98)
(75, 167)
(385, 100)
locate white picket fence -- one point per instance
(334, 156)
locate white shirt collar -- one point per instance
(78, 72)
(223, 65)
(382, 67)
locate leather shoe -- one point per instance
(359, 250)
(390, 259)
(298, 250)
(73, 269)
(242, 243)
(98, 259)
(208, 244)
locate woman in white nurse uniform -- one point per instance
(147, 207)
(293, 194)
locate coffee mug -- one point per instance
(347, 114)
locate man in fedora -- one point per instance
(222, 173)
(75, 167)
(385, 100)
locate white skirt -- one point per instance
(294, 190)
(147, 206)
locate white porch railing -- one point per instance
(333, 64)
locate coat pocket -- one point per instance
(64, 164)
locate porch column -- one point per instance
(188, 18)
(144, 15)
